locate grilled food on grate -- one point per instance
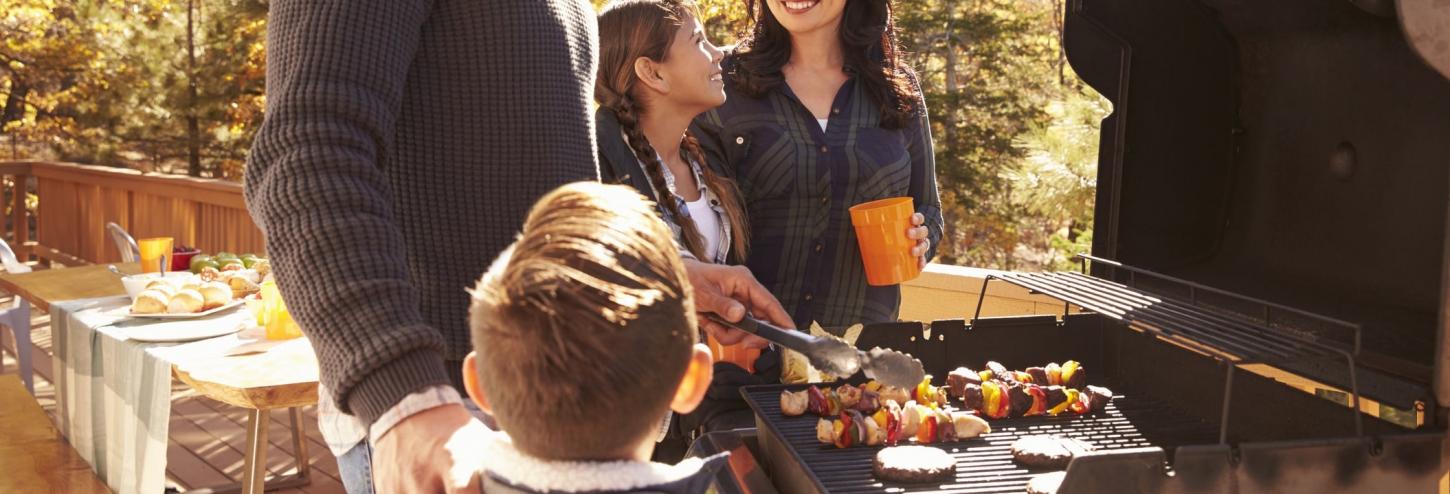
(913, 464)
(1070, 374)
(830, 402)
(1050, 390)
(1048, 451)
(893, 424)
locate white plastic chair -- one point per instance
(17, 317)
(124, 243)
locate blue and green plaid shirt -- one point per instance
(799, 182)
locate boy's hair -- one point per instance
(584, 326)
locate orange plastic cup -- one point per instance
(154, 253)
(881, 232)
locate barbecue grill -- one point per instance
(1269, 260)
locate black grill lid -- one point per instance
(1291, 150)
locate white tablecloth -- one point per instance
(113, 394)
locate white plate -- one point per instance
(187, 330)
(235, 302)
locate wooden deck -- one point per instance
(207, 437)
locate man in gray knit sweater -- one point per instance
(404, 142)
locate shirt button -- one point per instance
(808, 297)
(823, 149)
(819, 247)
(835, 111)
(739, 140)
(825, 199)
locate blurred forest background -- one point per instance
(176, 86)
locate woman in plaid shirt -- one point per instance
(821, 115)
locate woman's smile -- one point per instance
(799, 6)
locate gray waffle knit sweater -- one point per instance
(403, 144)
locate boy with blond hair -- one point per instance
(585, 339)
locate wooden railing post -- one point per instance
(20, 218)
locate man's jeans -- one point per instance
(356, 465)
(356, 469)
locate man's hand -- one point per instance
(422, 452)
(732, 292)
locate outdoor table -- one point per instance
(48, 286)
(113, 393)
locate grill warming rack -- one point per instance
(1233, 340)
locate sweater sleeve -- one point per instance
(315, 184)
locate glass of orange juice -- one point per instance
(274, 317)
(155, 253)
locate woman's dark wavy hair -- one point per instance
(868, 38)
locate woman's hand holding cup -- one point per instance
(919, 233)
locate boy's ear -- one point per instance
(696, 381)
(471, 384)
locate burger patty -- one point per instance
(1048, 452)
(913, 464)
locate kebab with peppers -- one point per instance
(830, 402)
(997, 393)
(893, 424)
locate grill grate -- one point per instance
(984, 465)
(1230, 339)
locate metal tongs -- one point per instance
(835, 356)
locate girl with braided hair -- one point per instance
(657, 72)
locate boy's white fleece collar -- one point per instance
(507, 463)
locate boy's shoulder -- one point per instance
(506, 470)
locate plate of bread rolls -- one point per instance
(183, 297)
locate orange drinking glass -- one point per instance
(155, 252)
(881, 232)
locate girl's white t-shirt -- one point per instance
(707, 223)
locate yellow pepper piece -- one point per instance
(1068, 369)
(880, 417)
(1071, 397)
(990, 398)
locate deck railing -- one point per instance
(76, 202)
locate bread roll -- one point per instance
(241, 284)
(163, 286)
(150, 302)
(215, 294)
(185, 302)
